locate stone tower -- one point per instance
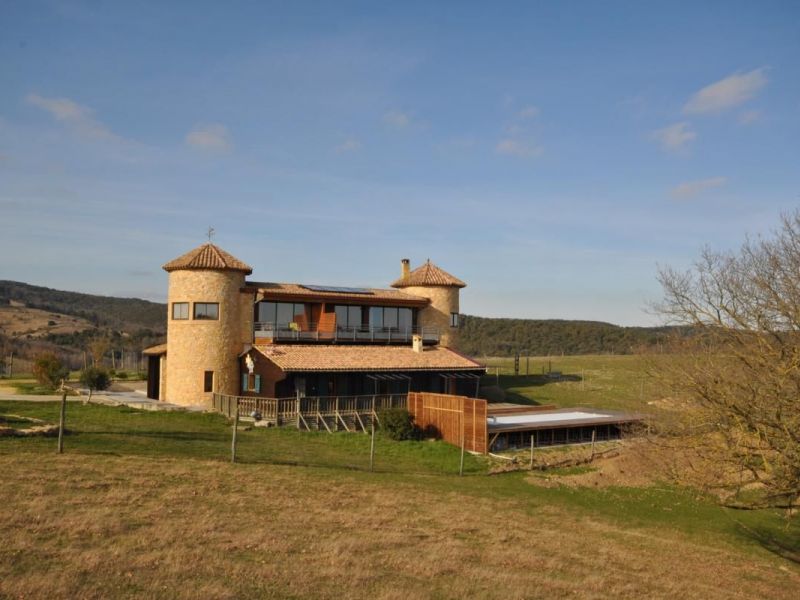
(207, 323)
(441, 288)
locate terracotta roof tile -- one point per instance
(155, 350)
(365, 358)
(428, 275)
(296, 290)
(208, 256)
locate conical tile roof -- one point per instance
(428, 275)
(208, 256)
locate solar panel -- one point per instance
(330, 288)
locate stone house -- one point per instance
(231, 335)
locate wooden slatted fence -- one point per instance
(449, 417)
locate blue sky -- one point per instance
(552, 155)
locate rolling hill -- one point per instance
(481, 336)
(35, 318)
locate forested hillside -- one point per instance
(103, 311)
(482, 336)
(132, 324)
(37, 319)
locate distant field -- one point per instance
(605, 381)
(145, 505)
(21, 321)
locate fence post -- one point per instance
(532, 434)
(61, 418)
(297, 404)
(235, 429)
(594, 435)
(372, 448)
(463, 442)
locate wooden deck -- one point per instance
(323, 413)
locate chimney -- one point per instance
(416, 343)
(405, 268)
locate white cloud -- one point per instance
(511, 147)
(351, 144)
(675, 136)
(397, 119)
(689, 189)
(529, 112)
(725, 93)
(77, 117)
(212, 137)
(749, 116)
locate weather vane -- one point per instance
(210, 233)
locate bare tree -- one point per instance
(98, 348)
(738, 374)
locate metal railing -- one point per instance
(363, 333)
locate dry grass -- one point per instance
(93, 526)
(16, 320)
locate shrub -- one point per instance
(122, 375)
(95, 378)
(49, 370)
(398, 424)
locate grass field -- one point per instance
(145, 504)
(26, 384)
(609, 381)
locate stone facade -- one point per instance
(196, 346)
(444, 301)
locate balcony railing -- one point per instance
(365, 334)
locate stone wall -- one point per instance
(196, 346)
(444, 300)
(162, 382)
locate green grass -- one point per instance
(16, 422)
(99, 429)
(618, 382)
(123, 431)
(31, 388)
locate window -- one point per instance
(208, 381)
(376, 316)
(206, 310)
(279, 313)
(390, 317)
(348, 316)
(453, 319)
(180, 311)
(404, 319)
(251, 383)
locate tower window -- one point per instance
(208, 381)
(206, 310)
(180, 311)
(453, 319)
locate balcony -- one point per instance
(272, 332)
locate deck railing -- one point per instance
(363, 333)
(302, 412)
